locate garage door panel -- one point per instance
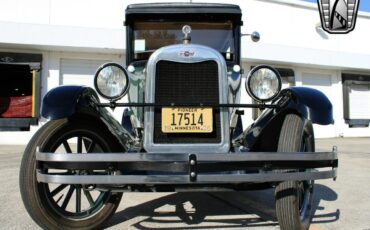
(79, 72)
(320, 82)
(323, 83)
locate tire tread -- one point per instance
(286, 192)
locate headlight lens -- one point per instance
(263, 83)
(111, 81)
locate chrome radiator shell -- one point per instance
(186, 53)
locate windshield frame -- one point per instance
(130, 55)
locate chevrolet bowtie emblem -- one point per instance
(6, 59)
(338, 16)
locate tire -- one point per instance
(293, 199)
(40, 199)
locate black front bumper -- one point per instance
(196, 168)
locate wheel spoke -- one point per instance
(89, 198)
(91, 147)
(79, 144)
(78, 199)
(100, 197)
(58, 189)
(67, 147)
(300, 194)
(57, 201)
(68, 197)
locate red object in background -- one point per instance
(16, 107)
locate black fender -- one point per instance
(310, 104)
(62, 101)
(81, 102)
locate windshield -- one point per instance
(149, 36)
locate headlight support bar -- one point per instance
(202, 105)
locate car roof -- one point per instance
(183, 12)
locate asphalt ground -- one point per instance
(341, 204)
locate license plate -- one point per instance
(187, 120)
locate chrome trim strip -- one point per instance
(161, 157)
(268, 156)
(111, 157)
(171, 53)
(268, 177)
(184, 179)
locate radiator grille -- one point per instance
(187, 83)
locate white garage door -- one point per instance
(79, 72)
(359, 100)
(323, 83)
(320, 82)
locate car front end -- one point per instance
(182, 129)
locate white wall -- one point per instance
(61, 25)
(290, 37)
(75, 13)
(288, 29)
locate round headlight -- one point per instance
(263, 83)
(111, 81)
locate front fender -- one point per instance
(62, 101)
(308, 103)
(311, 104)
(67, 101)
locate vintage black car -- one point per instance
(182, 129)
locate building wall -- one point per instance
(290, 31)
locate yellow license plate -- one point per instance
(187, 120)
